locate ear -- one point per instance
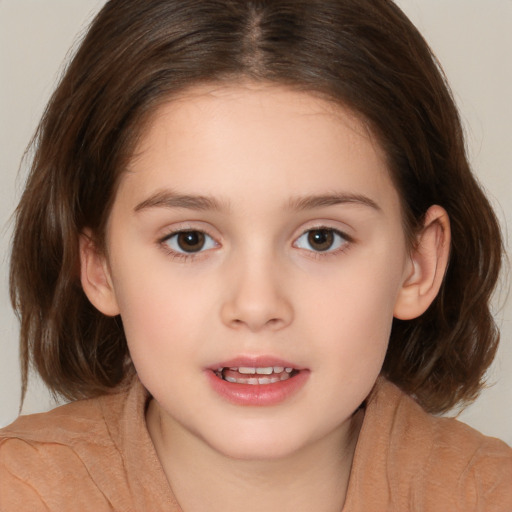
(429, 260)
(95, 276)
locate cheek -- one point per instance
(356, 328)
(352, 313)
(163, 312)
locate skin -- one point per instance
(259, 153)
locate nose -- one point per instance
(256, 296)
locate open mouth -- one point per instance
(255, 375)
(257, 381)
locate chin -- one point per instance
(256, 451)
(253, 444)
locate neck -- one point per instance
(315, 478)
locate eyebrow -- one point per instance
(169, 199)
(322, 201)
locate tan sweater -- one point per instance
(96, 455)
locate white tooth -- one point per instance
(230, 379)
(246, 371)
(284, 376)
(264, 371)
(252, 381)
(220, 369)
(264, 380)
(278, 369)
(288, 370)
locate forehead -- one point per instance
(249, 108)
(258, 138)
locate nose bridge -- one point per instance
(256, 295)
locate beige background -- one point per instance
(472, 39)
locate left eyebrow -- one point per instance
(322, 201)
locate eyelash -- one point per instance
(343, 245)
(184, 256)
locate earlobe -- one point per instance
(95, 277)
(429, 260)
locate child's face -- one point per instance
(292, 254)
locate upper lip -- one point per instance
(262, 361)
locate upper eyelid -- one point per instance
(345, 244)
(178, 231)
(165, 242)
(210, 230)
(340, 233)
(167, 236)
(171, 231)
(320, 226)
(184, 227)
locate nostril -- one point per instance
(256, 311)
(254, 324)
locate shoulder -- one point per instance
(69, 426)
(437, 463)
(49, 426)
(92, 455)
(43, 454)
(458, 462)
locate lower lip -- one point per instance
(258, 394)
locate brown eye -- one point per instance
(321, 239)
(190, 241)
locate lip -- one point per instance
(255, 362)
(257, 394)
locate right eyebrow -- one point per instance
(169, 199)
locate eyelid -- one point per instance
(330, 251)
(176, 252)
(175, 228)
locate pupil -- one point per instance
(191, 241)
(321, 239)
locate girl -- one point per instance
(252, 253)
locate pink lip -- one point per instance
(255, 362)
(257, 394)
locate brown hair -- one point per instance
(364, 54)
